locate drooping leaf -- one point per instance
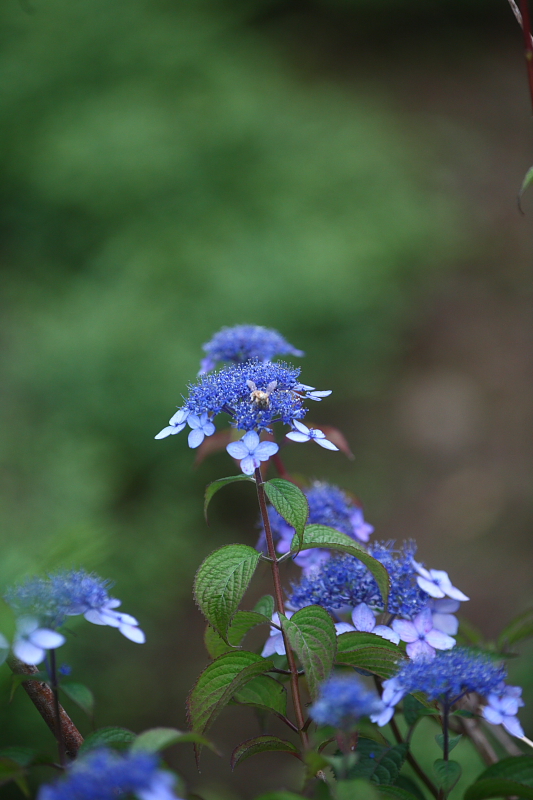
(242, 622)
(498, 787)
(265, 605)
(447, 774)
(356, 788)
(290, 502)
(221, 581)
(217, 684)
(110, 736)
(354, 640)
(312, 636)
(412, 709)
(521, 627)
(453, 741)
(22, 755)
(261, 744)
(377, 660)
(331, 539)
(81, 695)
(265, 693)
(377, 763)
(156, 739)
(216, 486)
(515, 768)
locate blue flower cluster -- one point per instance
(106, 775)
(41, 606)
(342, 701)
(244, 342)
(345, 581)
(451, 674)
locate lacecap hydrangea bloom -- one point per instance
(342, 701)
(254, 395)
(41, 606)
(244, 342)
(345, 581)
(107, 775)
(328, 505)
(446, 677)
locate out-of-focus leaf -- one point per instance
(81, 695)
(219, 484)
(109, 736)
(261, 744)
(447, 773)
(156, 739)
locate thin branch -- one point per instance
(42, 697)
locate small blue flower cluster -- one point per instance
(244, 342)
(106, 775)
(41, 606)
(447, 677)
(345, 581)
(342, 701)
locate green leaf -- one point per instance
(290, 502)
(377, 763)
(516, 768)
(380, 660)
(22, 755)
(215, 486)
(281, 795)
(521, 627)
(498, 787)
(10, 770)
(447, 774)
(221, 581)
(355, 640)
(397, 791)
(409, 785)
(356, 788)
(453, 741)
(156, 739)
(323, 536)
(110, 736)
(528, 179)
(81, 695)
(263, 692)
(242, 622)
(312, 636)
(217, 684)
(265, 606)
(261, 744)
(412, 709)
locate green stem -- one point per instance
(280, 608)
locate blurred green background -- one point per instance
(344, 173)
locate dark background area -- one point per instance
(342, 172)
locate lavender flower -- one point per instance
(442, 612)
(250, 451)
(423, 639)
(342, 701)
(106, 775)
(364, 620)
(275, 643)
(437, 583)
(32, 641)
(502, 708)
(244, 342)
(301, 433)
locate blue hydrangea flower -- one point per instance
(345, 581)
(328, 505)
(244, 342)
(446, 677)
(201, 427)
(342, 701)
(421, 637)
(437, 583)
(107, 775)
(443, 613)
(502, 708)
(43, 604)
(301, 433)
(250, 451)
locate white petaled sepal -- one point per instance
(251, 451)
(302, 433)
(32, 642)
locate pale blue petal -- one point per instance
(298, 437)
(420, 649)
(343, 627)
(47, 639)
(423, 622)
(179, 417)
(133, 633)
(326, 444)
(300, 426)
(384, 717)
(168, 431)
(209, 429)
(249, 464)
(456, 594)
(386, 633)
(446, 623)
(251, 440)
(492, 716)
(196, 438)
(237, 450)
(428, 586)
(512, 726)
(193, 421)
(265, 450)
(363, 618)
(405, 630)
(270, 647)
(94, 616)
(440, 640)
(28, 653)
